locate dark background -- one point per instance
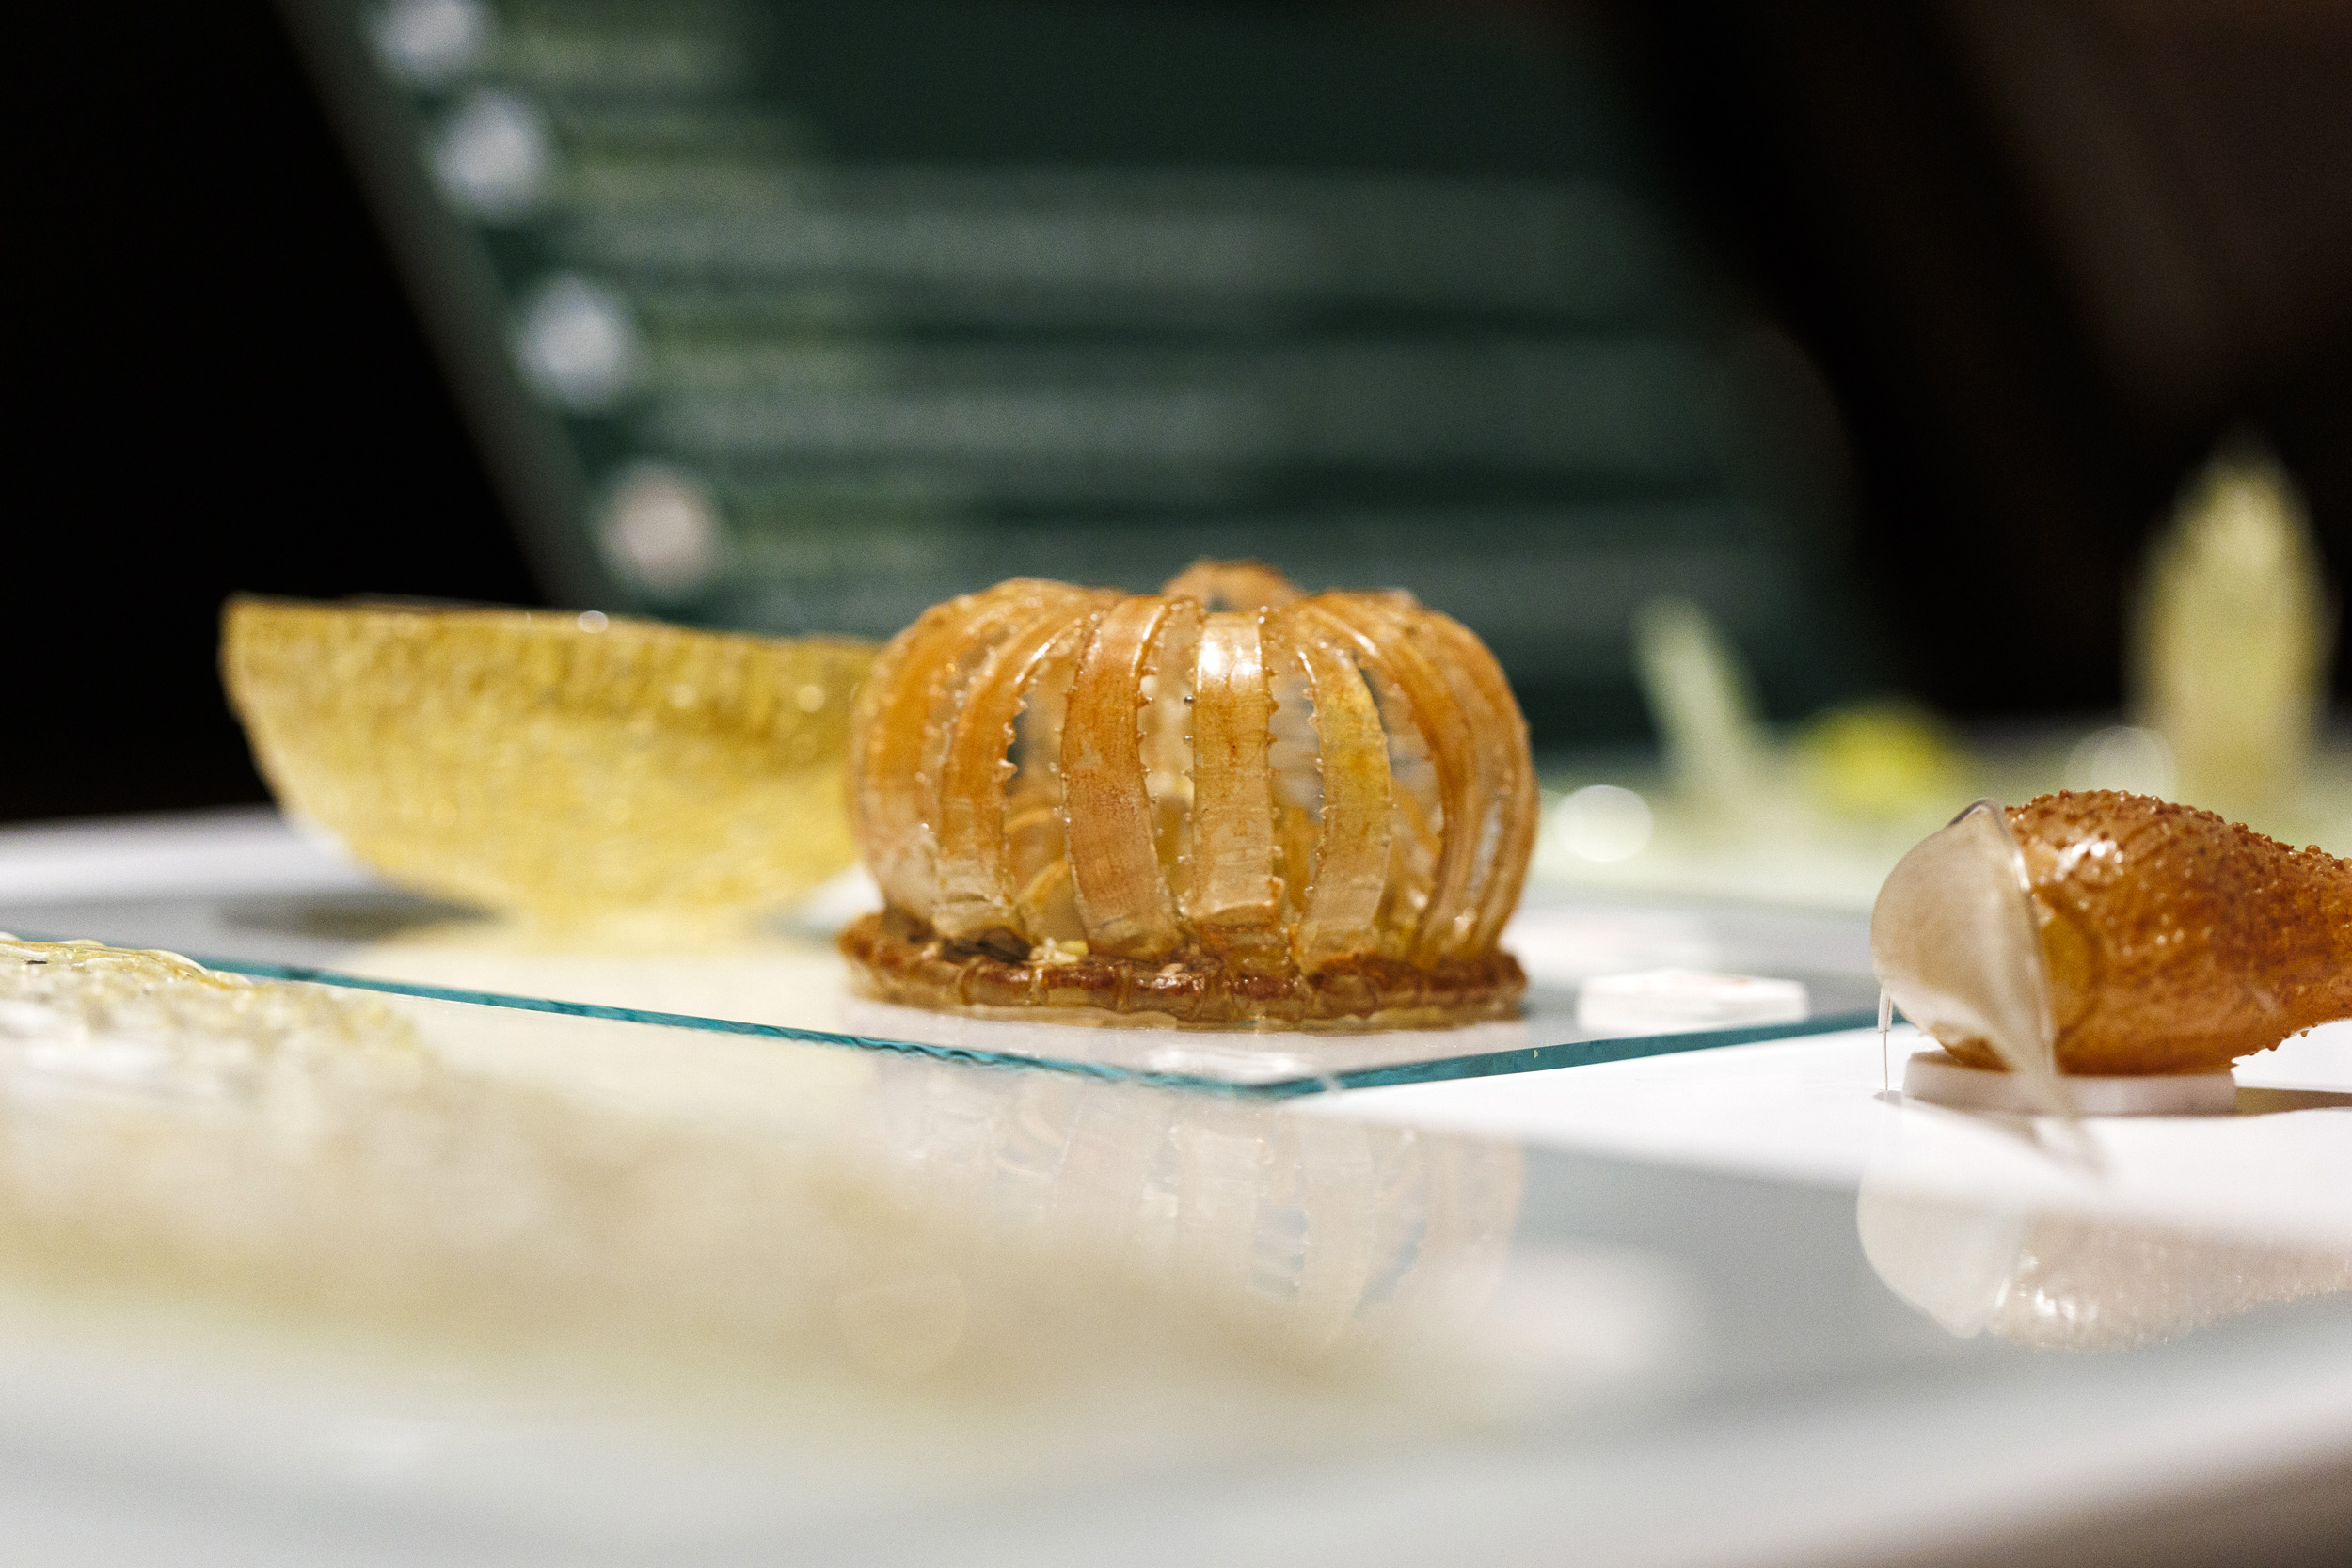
(2046, 253)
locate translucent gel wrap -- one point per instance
(1953, 939)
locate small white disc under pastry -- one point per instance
(1935, 1077)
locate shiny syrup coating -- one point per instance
(1223, 805)
(2178, 941)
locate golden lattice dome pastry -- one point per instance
(1219, 805)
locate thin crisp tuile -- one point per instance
(898, 799)
(1123, 897)
(1037, 844)
(1233, 885)
(1416, 825)
(1448, 921)
(976, 890)
(879, 702)
(1505, 729)
(1164, 726)
(1352, 862)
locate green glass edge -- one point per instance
(1480, 1064)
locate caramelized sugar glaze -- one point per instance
(2177, 941)
(1219, 805)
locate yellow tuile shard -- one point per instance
(566, 769)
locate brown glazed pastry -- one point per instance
(1221, 806)
(2175, 941)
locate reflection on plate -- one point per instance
(2060, 1281)
(829, 1238)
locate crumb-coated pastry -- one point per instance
(2112, 935)
(2175, 941)
(1220, 806)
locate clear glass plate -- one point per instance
(1273, 1064)
(786, 984)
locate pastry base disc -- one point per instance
(898, 960)
(1935, 1077)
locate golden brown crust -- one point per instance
(2178, 941)
(898, 959)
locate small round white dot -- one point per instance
(492, 157)
(577, 343)
(1602, 822)
(661, 530)
(430, 43)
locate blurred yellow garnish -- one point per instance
(1880, 760)
(567, 769)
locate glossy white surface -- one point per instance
(239, 849)
(1654, 1001)
(1820, 1109)
(1685, 1308)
